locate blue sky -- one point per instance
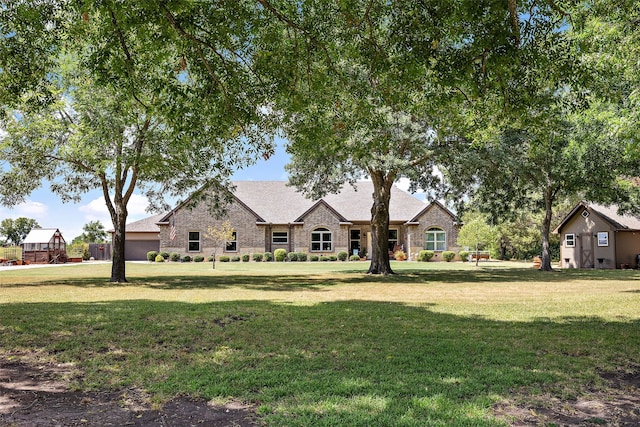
(50, 212)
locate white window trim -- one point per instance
(603, 238)
(322, 231)
(433, 230)
(235, 240)
(286, 237)
(573, 240)
(189, 241)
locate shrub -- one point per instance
(293, 256)
(314, 258)
(151, 255)
(159, 258)
(245, 258)
(174, 256)
(354, 258)
(342, 255)
(324, 258)
(198, 258)
(224, 258)
(268, 256)
(210, 258)
(235, 258)
(186, 258)
(257, 257)
(333, 258)
(400, 256)
(425, 255)
(165, 255)
(280, 254)
(302, 256)
(464, 255)
(448, 255)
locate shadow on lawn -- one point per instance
(317, 281)
(347, 362)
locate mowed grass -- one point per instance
(324, 344)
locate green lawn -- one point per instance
(324, 344)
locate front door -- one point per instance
(586, 251)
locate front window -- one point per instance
(393, 239)
(320, 240)
(436, 239)
(194, 241)
(232, 245)
(570, 240)
(280, 237)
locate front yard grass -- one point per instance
(324, 344)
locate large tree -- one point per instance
(383, 84)
(92, 232)
(147, 96)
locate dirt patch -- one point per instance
(38, 395)
(616, 406)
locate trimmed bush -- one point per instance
(224, 258)
(448, 255)
(333, 258)
(268, 256)
(165, 255)
(342, 255)
(324, 258)
(245, 258)
(314, 258)
(174, 256)
(464, 255)
(425, 255)
(198, 258)
(302, 256)
(235, 258)
(151, 255)
(186, 258)
(293, 256)
(257, 257)
(280, 255)
(354, 258)
(210, 258)
(159, 258)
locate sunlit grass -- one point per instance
(325, 343)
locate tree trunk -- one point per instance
(546, 230)
(119, 225)
(380, 225)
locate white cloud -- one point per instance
(29, 209)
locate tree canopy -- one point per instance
(146, 96)
(15, 230)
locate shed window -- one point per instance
(194, 241)
(320, 240)
(436, 239)
(570, 240)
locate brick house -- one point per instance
(268, 215)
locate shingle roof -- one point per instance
(278, 203)
(146, 225)
(621, 222)
(608, 213)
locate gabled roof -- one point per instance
(42, 235)
(609, 214)
(321, 202)
(430, 206)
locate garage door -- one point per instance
(136, 250)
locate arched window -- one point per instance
(320, 240)
(436, 239)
